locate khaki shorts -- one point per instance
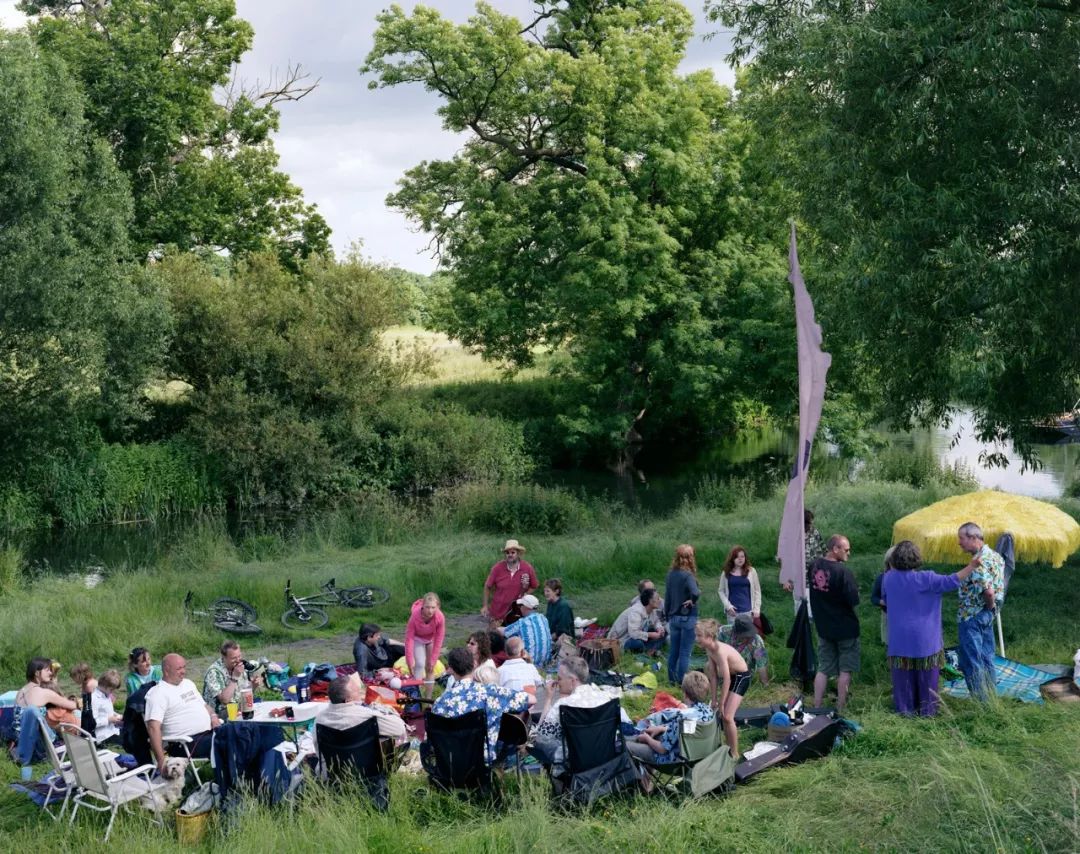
(836, 657)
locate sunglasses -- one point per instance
(510, 552)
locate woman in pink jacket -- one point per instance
(424, 639)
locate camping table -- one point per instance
(303, 715)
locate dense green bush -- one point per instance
(10, 567)
(517, 508)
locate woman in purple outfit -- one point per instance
(915, 647)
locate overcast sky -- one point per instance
(347, 146)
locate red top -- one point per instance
(431, 632)
(506, 589)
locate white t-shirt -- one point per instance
(102, 708)
(179, 708)
(516, 673)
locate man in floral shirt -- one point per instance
(469, 696)
(980, 597)
(742, 635)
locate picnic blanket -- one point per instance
(1014, 679)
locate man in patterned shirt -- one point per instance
(533, 629)
(469, 696)
(979, 596)
(226, 678)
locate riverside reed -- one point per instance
(1004, 777)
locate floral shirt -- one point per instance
(468, 696)
(214, 683)
(814, 547)
(990, 573)
(752, 649)
(672, 719)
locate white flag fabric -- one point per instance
(813, 365)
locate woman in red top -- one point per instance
(424, 635)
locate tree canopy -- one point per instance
(78, 330)
(597, 206)
(932, 148)
(203, 173)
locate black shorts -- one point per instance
(740, 682)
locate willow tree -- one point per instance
(596, 207)
(933, 148)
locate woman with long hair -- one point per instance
(740, 589)
(681, 594)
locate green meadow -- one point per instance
(1005, 777)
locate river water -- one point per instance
(761, 458)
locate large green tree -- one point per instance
(203, 171)
(597, 206)
(79, 329)
(932, 149)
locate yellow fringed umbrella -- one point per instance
(1041, 532)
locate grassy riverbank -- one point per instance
(1005, 777)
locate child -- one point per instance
(83, 676)
(658, 742)
(101, 701)
(728, 675)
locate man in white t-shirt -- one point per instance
(516, 673)
(175, 707)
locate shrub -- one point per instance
(916, 468)
(20, 510)
(513, 507)
(10, 567)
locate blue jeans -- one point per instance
(639, 645)
(681, 631)
(976, 653)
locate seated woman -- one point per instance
(658, 741)
(34, 700)
(372, 651)
(141, 670)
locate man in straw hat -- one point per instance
(509, 580)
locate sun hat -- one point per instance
(513, 544)
(529, 601)
(743, 626)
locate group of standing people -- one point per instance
(911, 599)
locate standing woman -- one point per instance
(915, 645)
(141, 670)
(681, 594)
(740, 589)
(424, 635)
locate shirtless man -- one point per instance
(727, 672)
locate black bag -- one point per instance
(766, 624)
(613, 776)
(133, 735)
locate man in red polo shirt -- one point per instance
(509, 580)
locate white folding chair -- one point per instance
(98, 791)
(185, 742)
(65, 777)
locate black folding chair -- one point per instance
(513, 734)
(597, 761)
(355, 755)
(455, 753)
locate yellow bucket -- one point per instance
(190, 829)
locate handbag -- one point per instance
(766, 626)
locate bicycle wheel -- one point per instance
(364, 596)
(228, 610)
(309, 618)
(234, 628)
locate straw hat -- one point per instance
(514, 544)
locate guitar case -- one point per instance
(812, 740)
(758, 716)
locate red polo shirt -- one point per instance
(506, 589)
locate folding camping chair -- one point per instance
(696, 741)
(455, 753)
(513, 735)
(355, 754)
(65, 776)
(597, 761)
(100, 792)
(185, 742)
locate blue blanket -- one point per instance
(1020, 681)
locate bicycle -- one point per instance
(226, 614)
(306, 611)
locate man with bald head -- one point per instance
(175, 707)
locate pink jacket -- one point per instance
(431, 632)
